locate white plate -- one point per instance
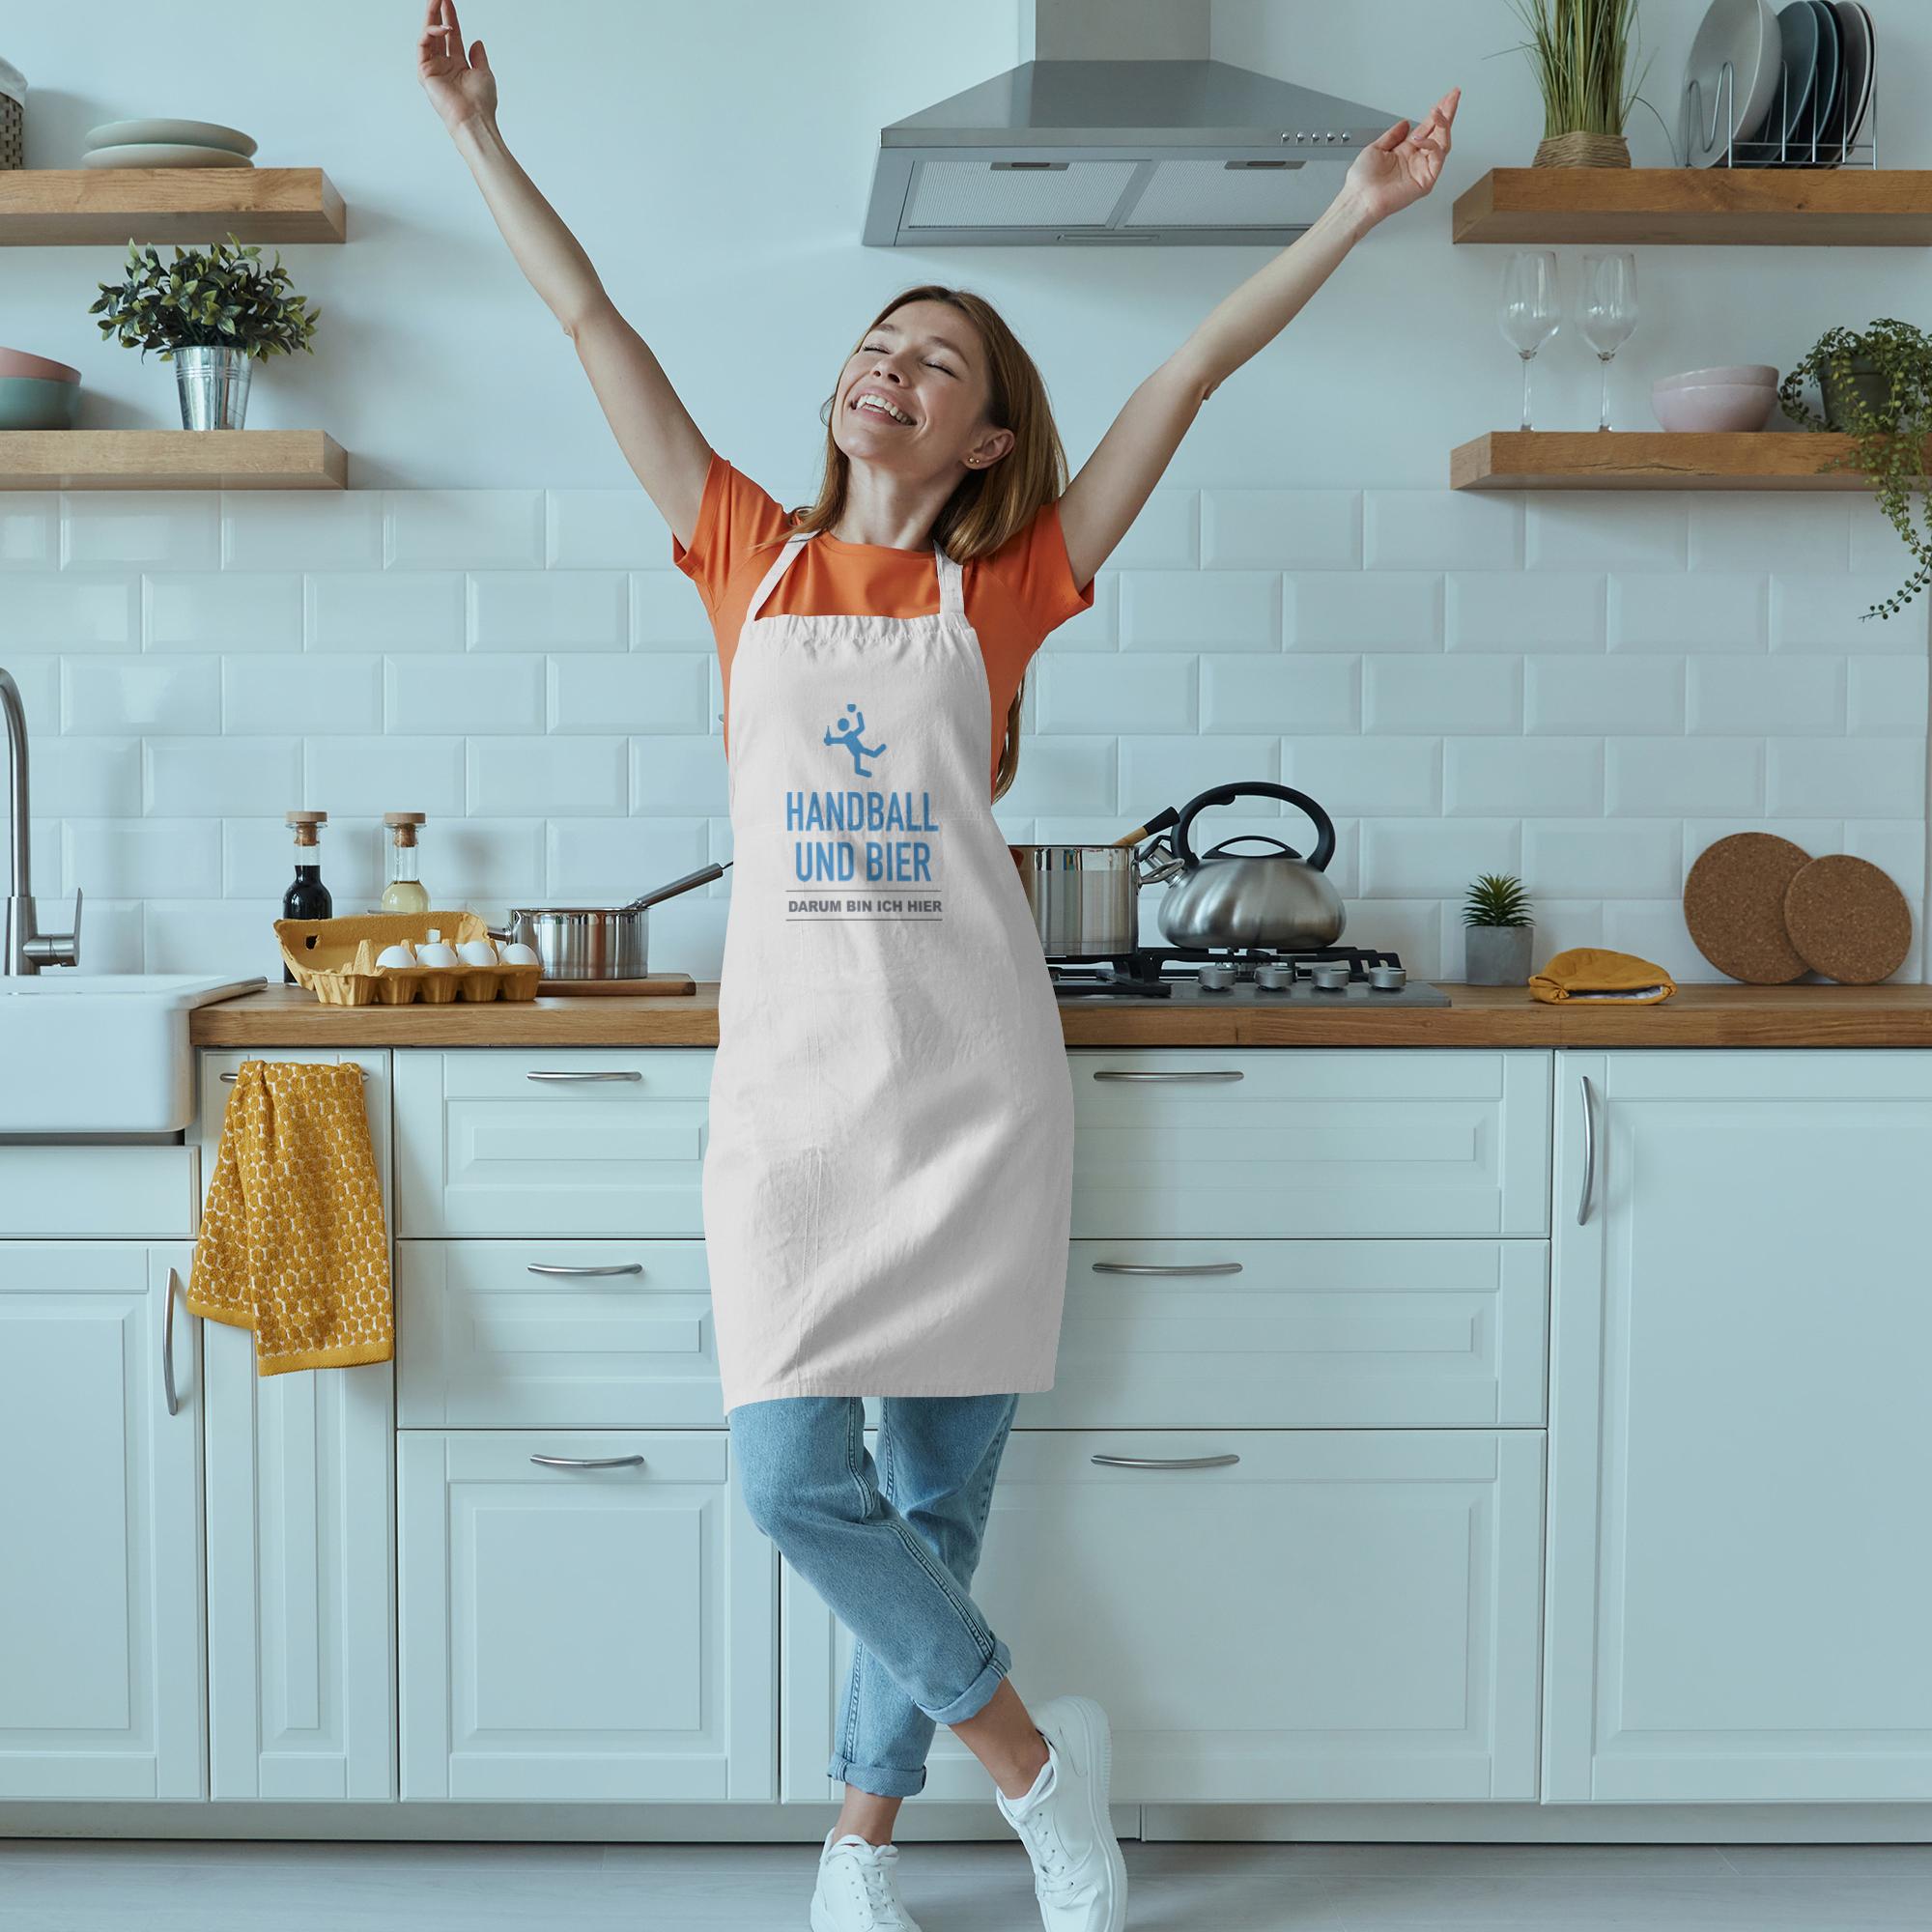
(1745, 33)
(195, 133)
(164, 154)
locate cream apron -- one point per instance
(888, 1160)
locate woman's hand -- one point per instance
(1404, 165)
(460, 89)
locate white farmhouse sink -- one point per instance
(101, 1053)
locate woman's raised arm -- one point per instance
(1117, 478)
(651, 424)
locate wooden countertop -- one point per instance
(1719, 1014)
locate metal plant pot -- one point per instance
(213, 387)
(1496, 956)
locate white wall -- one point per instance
(1583, 688)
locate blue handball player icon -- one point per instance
(850, 731)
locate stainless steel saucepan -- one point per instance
(595, 942)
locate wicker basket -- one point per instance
(335, 960)
(1582, 151)
(12, 118)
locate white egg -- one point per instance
(516, 954)
(435, 953)
(477, 953)
(394, 956)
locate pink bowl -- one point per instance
(1705, 406)
(1754, 375)
(18, 363)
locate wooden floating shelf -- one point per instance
(1539, 459)
(1853, 207)
(171, 459)
(51, 207)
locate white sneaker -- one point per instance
(858, 1888)
(1078, 1874)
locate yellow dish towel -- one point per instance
(1595, 973)
(292, 1240)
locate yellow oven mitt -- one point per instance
(1595, 973)
(292, 1240)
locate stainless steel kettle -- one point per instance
(1223, 898)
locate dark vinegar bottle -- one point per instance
(308, 897)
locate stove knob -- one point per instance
(1217, 975)
(1330, 976)
(1387, 979)
(1276, 975)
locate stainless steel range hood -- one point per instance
(1080, 145)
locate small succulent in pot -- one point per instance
(213, 313)
(1497, 933)
(1875, 386)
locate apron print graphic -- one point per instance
(862, 838)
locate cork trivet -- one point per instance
(1848, 920)
(1734, 905)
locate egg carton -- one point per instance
(335, 960)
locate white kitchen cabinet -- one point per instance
(1741, 1429)
(1308, 1143)
(583, 1633)
(101, 1551)
(1334, 1615)
(301, 1596)
(56, 1191)
(576, 1141)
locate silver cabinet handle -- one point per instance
(611, 1267)
(1167, 1461)
(1590, 1151)
(1167, 1267)
(1186, 1073)
(572, 1075)
(168, 1345)
(590, 1462)
(228, 1079)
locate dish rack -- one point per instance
(1759, 152)
(335, 960)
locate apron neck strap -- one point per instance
(951, 578)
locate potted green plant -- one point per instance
(1582, 51)
(1875, 386)
(212, 313)
(1497, 933)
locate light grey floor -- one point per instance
(92, 1885)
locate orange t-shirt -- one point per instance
(1014, 595)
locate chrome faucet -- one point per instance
(23, 949)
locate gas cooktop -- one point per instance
(1321, 976)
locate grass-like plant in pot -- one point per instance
(1582, 51)
(213, 313)
(1875, 386)
(1497, 933)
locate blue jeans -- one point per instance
(891, 1548)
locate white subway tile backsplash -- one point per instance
(1280, 530)
(604, 529)
(1876, 549)
(1511, 610)
(86, 777)
(1388, 611)
(1828, 614)
(494, 694)
(495, 859)
(1853, 777)
(1415, 928)
(178, 528)
(1495, 776)
(1895, 845)
(39, 682)
(1442, 529)
(1697, 613)
(1155, 772)
(550, 611)
(301, 529)
(29, 530)
(668, 614)
(142, 858)
(223, 610)
(1200, 611)
(463, 529)
(1756, 697)
(78, 612)
(1423, 858)
(372, 776)
(1655, 778)
(1561, 925)
(1297, 693)
(360, 611)
(1061, 775)
(1806, 530)
(1089, 694)
(1815, 836)
(1584, 859)
(205, 778)
(1367, 777)
(511, 777)
(615, 859)
(105, 694)
(1653, 929)
(640, 693)
(1886, 698)
(1604, 694)
(1097, 628)
(1605, 529)
(315, 695)
(1164, 536)
(258, 855)
(1448, 693)
(213, 936)
(677, 778)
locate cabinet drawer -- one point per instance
(576, 1142)
(98, 1193)
(1299, 1335)
(1308, 1143)
(554, 1334)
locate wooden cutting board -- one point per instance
(1847, 919)
(1734, 905)
(614, 989)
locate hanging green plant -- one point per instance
(1875, 386)
(222, 297)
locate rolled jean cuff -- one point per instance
(883, 1781)
(977, 1694)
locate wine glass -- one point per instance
(1609, 312)
(1527, 312)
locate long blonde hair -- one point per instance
(990, 505)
